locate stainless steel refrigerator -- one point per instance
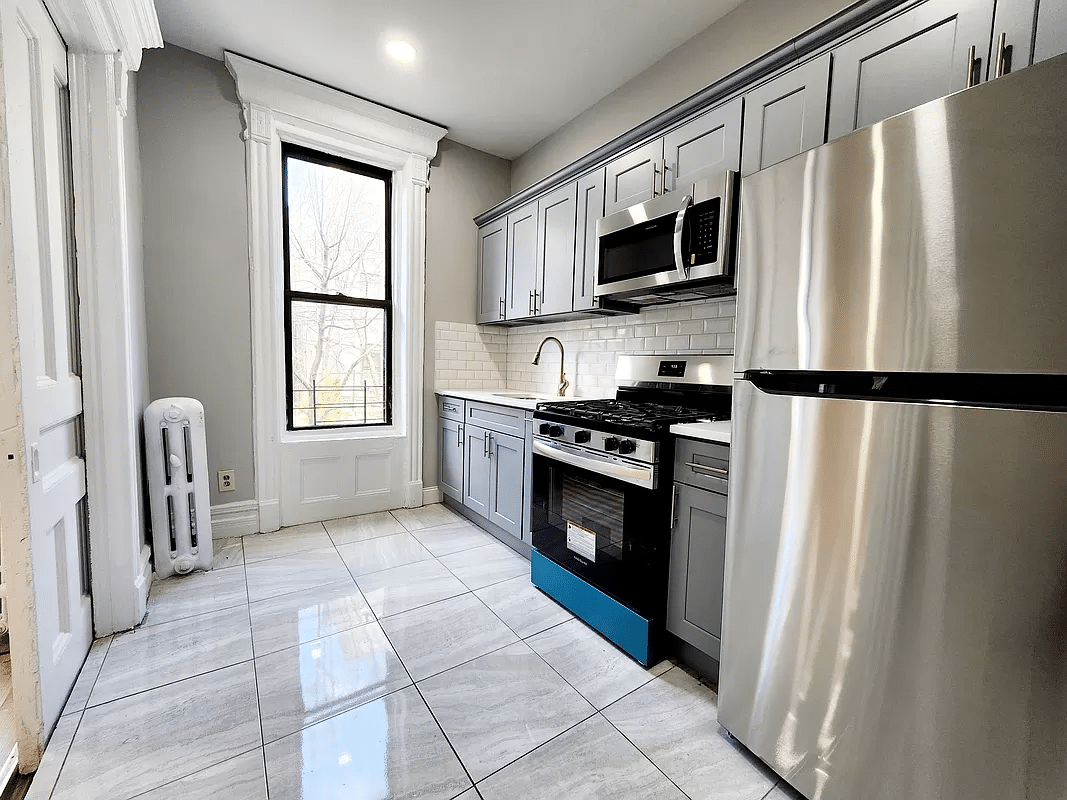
(895, 621)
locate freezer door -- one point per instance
(895, 621)
(931, 242)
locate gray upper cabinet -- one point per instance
(556, 215)
(506, 469)
(590, 203)
(786, 115)
(1013, 33)
(633, 177)
(914, 57)
(492, 268)
(521, 262)
(451, 443)
(707, 145)
(1050, 38)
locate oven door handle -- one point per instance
(644, 476)
(679, 227)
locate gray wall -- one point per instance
(747, 32)
(196, 251)
(463, 182)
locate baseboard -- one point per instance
(234, 519)
(431, 495)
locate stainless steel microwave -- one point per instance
(675, 247)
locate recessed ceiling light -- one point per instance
(401, 51)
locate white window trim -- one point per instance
(277, 107)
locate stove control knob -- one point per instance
(544, 429)
(555, 431)
(627, 446)
(581, 437)
(611, 443)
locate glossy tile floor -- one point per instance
(396, 655)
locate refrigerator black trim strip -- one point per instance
(1019, 392)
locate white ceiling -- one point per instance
(500, 74)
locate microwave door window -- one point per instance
(638, 251)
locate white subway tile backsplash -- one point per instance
(719, 325)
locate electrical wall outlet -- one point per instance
(226, 480)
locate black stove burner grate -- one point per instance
(628, 413)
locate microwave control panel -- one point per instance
(704, 220)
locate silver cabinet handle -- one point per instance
(449, 407)
(655, 174)
(716, 471)
(674, 502)
(1002, 47)
(663, 177)
(537, 302)
(459, 436)
(973, 63)
(489, 450)
(502, 308)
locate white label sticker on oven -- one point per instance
(581, 541)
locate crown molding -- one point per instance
(108, 26)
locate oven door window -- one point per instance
(638, 251)
(612, 534)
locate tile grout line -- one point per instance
(255, 678)
(63, 763)
(195, 772)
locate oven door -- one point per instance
(604, 528)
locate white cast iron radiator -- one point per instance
(176, 457)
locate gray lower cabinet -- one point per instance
(786, 115)
(1050, 38)
(521, 273)
(556, 216)
(633, 177)
(698, 559)
(507, 466)
(917, 56)
(476, 470)
(492, 267)
(590, 208)
(705, 146)
(450, 442)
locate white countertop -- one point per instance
(706, 431)
(527, 400)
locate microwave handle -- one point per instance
(679, 224)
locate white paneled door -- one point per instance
(42, 478)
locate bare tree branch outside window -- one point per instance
(337, 291)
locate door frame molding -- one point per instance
(278, 105)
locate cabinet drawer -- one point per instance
(450, 408)
(501, 419)
(705, 465)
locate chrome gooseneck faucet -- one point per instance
(563, 382)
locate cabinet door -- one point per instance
(590, 209)
(450, 441)
(521, 261)
(556, 215)
(633, 178)
(1014, 21)
(492, 266)
(786, 116)
(1050, 38)
(476, 470)
(698, 558)
(913, 58)
(506, 468)
(707, 145)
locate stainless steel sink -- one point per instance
(518, 395)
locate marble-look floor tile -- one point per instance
(388, 748)
(385, 552)
(601, 672)
(128, 746)
(291, 619)
(393, 591)
(44, 780)
(501, 706)
(431, 516)
(591, 760)
(783, 791)
(83, 687)
(453, 538)
(439, 636)
(315, 680)
(525, 608)
(470, 794)
(240, 778)
(674, 721)
(146, 658)
(486, 565)
(227, 553)
(287, 542)
(278, 576)
(188, 595)
(363, 527)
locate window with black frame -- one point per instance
(338, 291)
